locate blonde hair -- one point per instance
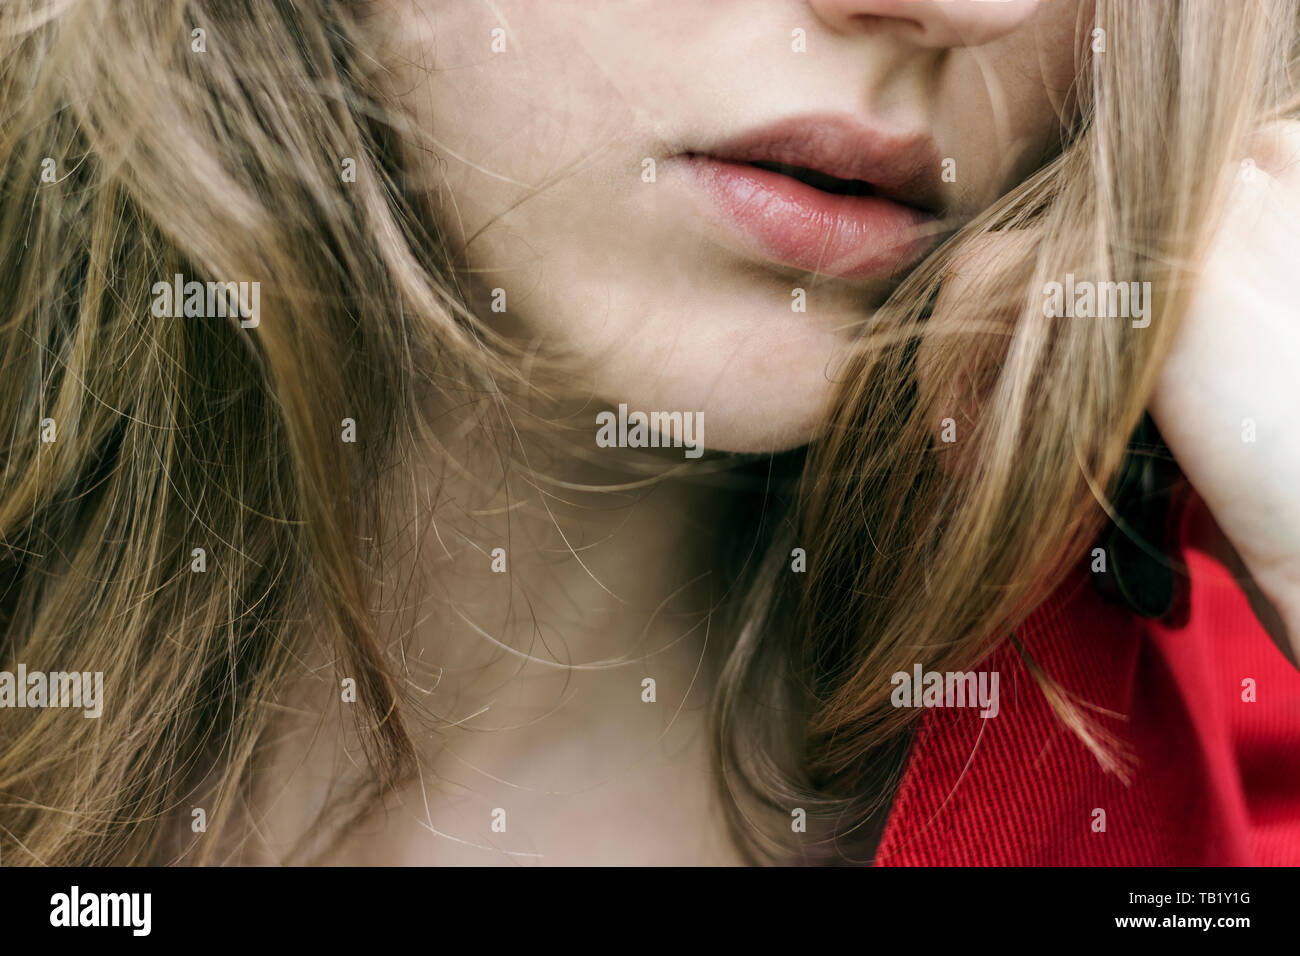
(169, 432)
(936, 557)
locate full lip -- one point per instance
(880, 192)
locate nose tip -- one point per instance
(931, 23)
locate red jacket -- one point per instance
(1216, 779)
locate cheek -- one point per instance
(504, 98)
(537, 149)
(1001, 113)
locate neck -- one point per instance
(589, 655)
(601, 563)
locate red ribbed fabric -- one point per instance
(1216, 779)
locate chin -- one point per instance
(763, 420)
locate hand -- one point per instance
(1228, 398)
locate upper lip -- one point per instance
(902, 166)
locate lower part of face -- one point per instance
(636, 182)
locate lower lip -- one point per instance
(793, 224)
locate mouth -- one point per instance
(818, 180)
(825, 195)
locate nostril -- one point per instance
(927, 23)
(873, 23)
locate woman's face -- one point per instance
(598, 159)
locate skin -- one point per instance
(1232, 368)
(542, 149)
(539, 154)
